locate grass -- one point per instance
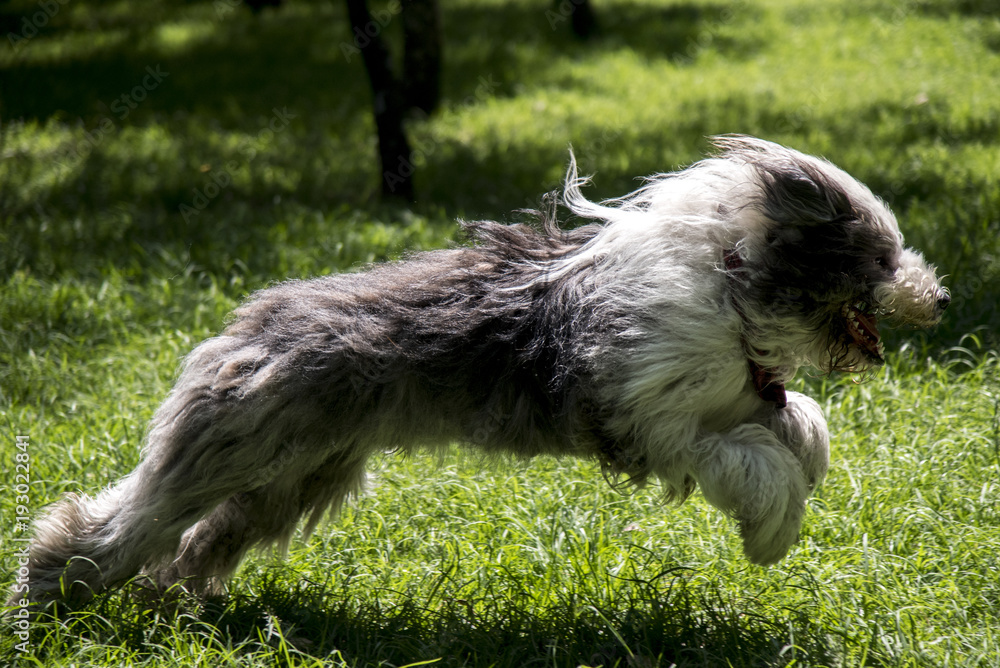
(106, 284)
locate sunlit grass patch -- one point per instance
(108, 281)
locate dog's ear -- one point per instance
(796, 192)
(794, 189)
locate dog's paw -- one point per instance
(752, 476)
(767, 540)
(801, 427)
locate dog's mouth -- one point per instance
(861, 323)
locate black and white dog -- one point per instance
(656, 341)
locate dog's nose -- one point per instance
(943, 301)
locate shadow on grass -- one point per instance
(119, 202)
(228, 69)
(984, 8)
(220, 78)
(661, 624)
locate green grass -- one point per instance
(106, 285)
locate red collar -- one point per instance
(765, 382)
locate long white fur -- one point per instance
(659, 321)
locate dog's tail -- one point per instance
(620, 209)
(573, 196)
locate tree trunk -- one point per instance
(422, 54)
(390, 107)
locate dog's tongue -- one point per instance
(863, 328)
(868, 323)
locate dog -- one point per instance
(656, 340)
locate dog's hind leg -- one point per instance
(213, 548)
(201, 450)
(85, 544)
(753, 477)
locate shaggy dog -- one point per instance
(656, 341)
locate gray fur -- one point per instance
(627, 341)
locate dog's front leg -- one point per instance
(761, 474)
(802, 428)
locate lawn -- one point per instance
(160, 160)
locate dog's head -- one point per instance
(822, 261)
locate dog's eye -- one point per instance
(882, 267)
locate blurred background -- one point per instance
(161, 159)
(236, 141)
